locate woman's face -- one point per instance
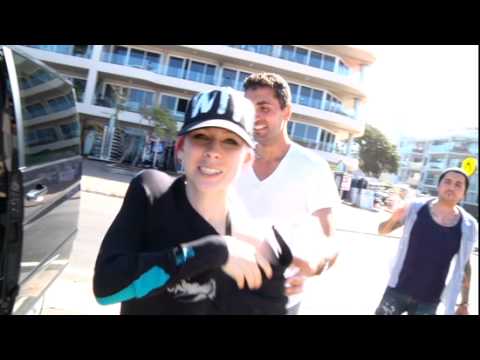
(213, 158)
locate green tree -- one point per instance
(165, 125)
(377, 154)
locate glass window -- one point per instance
(305, 94)
(82, 50)
(64, 49)
(49, 130)
(317, 97)
(153, 62)
(294, 91)
(136, 58)
(312, 133)
(119, 55)
(301, 55)
(175, 66)
(329, 103)
(241, 80)
(210, 74)
(182, 105)
(265, 49)
(315, 59)
(289, 127)
(79, 86)
(168, 102)
(196, 71)
(329, 63)
(35, 110)
(299, 130)
(228, 77)
(288, 52)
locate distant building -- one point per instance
(423, 160)
(326, 83)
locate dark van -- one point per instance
(40, 173)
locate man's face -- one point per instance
(270, 119)
(452, 187)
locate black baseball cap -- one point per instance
(224, 108)
(456, 170)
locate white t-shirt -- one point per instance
(300, 185)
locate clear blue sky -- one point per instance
(418, 90)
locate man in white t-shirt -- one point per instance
(288, 185)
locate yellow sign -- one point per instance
(469, 165)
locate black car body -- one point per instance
(40, 175)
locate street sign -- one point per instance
(469, 165)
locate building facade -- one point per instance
(325, 81)
(423, 160)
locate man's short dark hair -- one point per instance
(273, 81)
(458, 171)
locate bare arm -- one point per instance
(395, 221)
(326, 218)
(463, 306)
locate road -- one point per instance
(354, 286)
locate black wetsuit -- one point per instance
(142, 264)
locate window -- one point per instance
(301, 55)
(289, 127)
(343, 69)
(305, 93)
(228, 77)
(82, 50)
(169, 102)
(79, 86)
(312, 133)
(136, 58)
(44, 141)
(294, 91)
(317, 97)
(288, 53)
(315, 60)
(241, 80)
(175, 67)
(71, 130)
(139, 99)
(35, 110)
(328, 63)
(196, 71)
(153, 62)
(265, 49)
(182, 105)
(299, 130)
(176, 106)
(119, 55)
(210, 74)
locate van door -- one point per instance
(49, 165)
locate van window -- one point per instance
(50, 122)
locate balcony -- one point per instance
(335, 80)
(84, 51)
(157, 68)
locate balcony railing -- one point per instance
(205, 78)
(65, 50)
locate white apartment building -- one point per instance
(325, 80)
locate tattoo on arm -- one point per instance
(466, 283)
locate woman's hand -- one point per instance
(245, 262)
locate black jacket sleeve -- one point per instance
(124, 271)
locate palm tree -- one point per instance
(165, 124)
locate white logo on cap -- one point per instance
(203, 102)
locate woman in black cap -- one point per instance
(175, 247)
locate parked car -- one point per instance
(40, 172)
